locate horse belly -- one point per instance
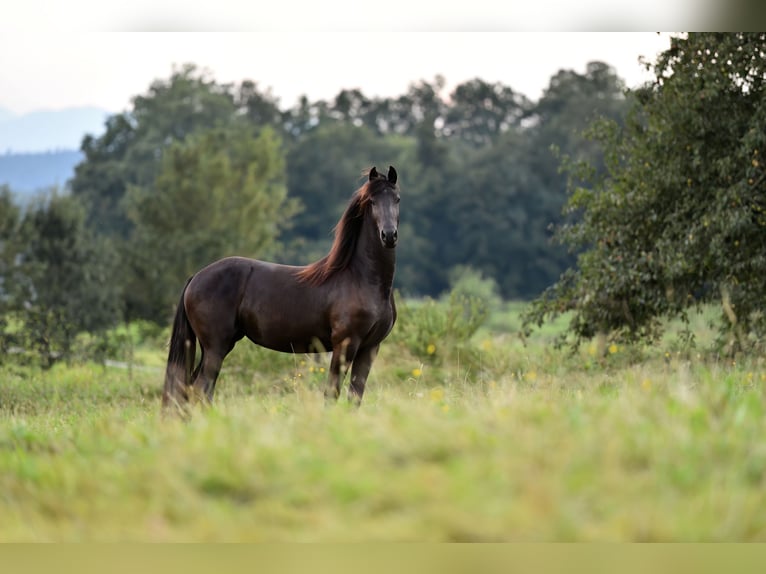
(293, 344)
(281, 332)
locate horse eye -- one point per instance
(372, 202)
(398, 199)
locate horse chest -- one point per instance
(370, 322)
(381, 324)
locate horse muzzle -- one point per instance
(389, 237)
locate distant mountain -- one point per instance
(26, 173)
(49, 130)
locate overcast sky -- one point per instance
(46, 69)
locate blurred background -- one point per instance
(163, 152)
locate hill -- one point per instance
(49, 129)
(26, 173)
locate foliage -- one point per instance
(471, 284)
(434, 330)
(678, 219)
(9, 227)
(129, 152)
(58, 284)
(479, 182)
(218, 193)
(480, 112)
(196, 169)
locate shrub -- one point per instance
(435, 330)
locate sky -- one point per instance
(52, 69)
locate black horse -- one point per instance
(342, 303)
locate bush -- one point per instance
(433, 330)
(471, 283)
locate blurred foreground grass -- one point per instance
(491, 441)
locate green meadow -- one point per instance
(466, 433)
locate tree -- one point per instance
(480, 112)
(9, 228)
(61, 278)
(504, 189)
(476, 165)
(501, 210)
(678, 218)
(218, 193)
(130, 150)
(260, 108)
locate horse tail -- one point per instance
(183, 347)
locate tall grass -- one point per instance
(514, 441)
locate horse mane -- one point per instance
(347, 232)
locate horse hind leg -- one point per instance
(206, 373)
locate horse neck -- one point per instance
(375, 263)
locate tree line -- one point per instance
(196, 170)
(654, 197)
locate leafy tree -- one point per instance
(504, 189)
(123, 166)
(130, 150)
(351, 106)
(260, 108)
(61, 278)
(569, 105)
(479, 162)
(678, 218)
(101, 179)
(217, 193)
(480, 112)
(501, 212)
(9, 228)
(303, 118)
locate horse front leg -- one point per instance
(359, 372)
(342, 356)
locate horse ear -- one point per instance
(373, 173)
(392, 174)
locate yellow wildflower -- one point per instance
(431, 349)
(437, 394)
(416, 372)
(613, 349)
(646, 384)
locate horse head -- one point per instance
(384, 205)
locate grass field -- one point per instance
(486, 440)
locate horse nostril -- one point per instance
(388, 237)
